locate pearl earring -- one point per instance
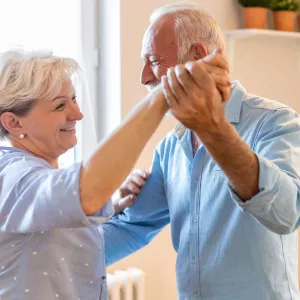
(22, 135)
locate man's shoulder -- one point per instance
(259, 112)
(254, 102)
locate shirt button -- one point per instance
(194, 260)
(103, 277)
(195, 220)
(196, 181)
(195, 294)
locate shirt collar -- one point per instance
(232, 109)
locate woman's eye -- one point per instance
(60, 107)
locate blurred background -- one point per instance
(105, 37)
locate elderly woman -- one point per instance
(51, 244)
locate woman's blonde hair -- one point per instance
(26, 77)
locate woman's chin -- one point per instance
(68, 145)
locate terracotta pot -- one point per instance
(284, 20)
(255, 17)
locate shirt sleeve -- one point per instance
(125, 234)
(277, 147)
(38, 198)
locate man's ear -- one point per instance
(11, 123)
(198, 51)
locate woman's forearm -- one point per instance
(114, 158)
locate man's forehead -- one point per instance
(157, 38)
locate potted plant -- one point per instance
(255, 13)
(284, 12)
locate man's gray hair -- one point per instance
(191, 25)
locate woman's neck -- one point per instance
(50, 160)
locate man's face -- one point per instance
(159, 52)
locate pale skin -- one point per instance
(49, 131)
(45, 126)
(207, 119)
(195, 101)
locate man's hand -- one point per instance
(130, 189)
(193, 97)
(216, 64)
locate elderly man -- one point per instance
(229, 185)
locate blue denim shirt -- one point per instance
(49, 249)
(227, 249)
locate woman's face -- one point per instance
(49, 127)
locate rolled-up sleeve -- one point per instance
(36, 198)
(277, 148)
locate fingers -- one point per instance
(220, 80)
(225, 93)
(142, 173)
(199, 74)
(184, 78)
(137, 180)
(134, 182)
(132, 188)
(219, 72)
(126, 202)
(217, 59)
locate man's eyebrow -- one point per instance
(153, 55)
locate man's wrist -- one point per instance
(216, 132)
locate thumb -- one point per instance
(211, 56)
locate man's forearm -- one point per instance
(236, 159)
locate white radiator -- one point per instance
(127, 284)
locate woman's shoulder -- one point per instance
(16, 159)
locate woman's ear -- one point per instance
(11, 123)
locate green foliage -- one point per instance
(291, 5)
(255, 3)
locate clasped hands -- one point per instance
(197, 92)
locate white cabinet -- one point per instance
(267, 62)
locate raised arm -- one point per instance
(105, 170)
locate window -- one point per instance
(43, 24)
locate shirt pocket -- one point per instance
(219, 181)
(219, 177)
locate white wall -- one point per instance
(269, 67)
(157, 259)
(266, 67)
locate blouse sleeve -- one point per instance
(35, 197)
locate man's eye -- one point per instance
(155, 63)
